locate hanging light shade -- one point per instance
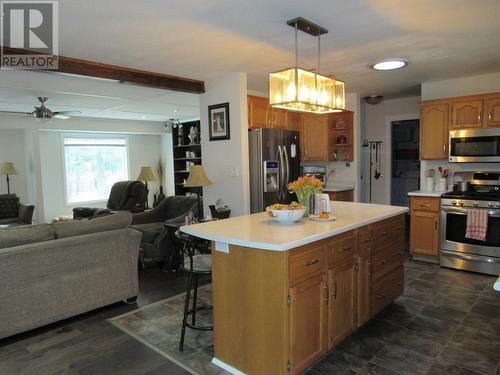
(301, 90)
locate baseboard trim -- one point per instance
(425, 258)
(226, 367)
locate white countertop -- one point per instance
(426, 193)
(261, 232)
(337, 189)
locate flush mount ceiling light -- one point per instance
(301, 90)
(390, 64)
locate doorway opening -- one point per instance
(405, 163)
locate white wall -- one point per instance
(226, 161)
(472, 85)
(376, 127)
(38, 150)
(12, 149)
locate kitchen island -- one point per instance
(284, 295)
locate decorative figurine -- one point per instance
(193, 135)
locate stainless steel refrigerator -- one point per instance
(274, 162)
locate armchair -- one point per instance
(13, 212)
(156, 241)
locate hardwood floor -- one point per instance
(89, 344)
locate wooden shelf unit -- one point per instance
(180, 160)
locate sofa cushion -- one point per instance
(9, 206)
(73, 228)
(22, 235)
(149, 231)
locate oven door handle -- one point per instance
(463, 211)
(471, 258)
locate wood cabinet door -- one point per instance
(492, 111)
(363, 288)
(258, 112)
(341, 306)
(278, 118)
(293, 120)
(308, 314)
(434, 131)
(314, 137)
(467, 114)
(424, 237)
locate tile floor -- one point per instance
(447, 322)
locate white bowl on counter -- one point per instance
(286, 216)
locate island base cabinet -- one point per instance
(308, 308)
(363, 288)
(341, 306)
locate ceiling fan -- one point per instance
(43, 113)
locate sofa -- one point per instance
(156, 241)
(50, 272)
(14, 212)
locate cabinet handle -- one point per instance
(307, 151)
(347, 248)
(382, 295)
(435, 224)
(444, 149)
(490, 115)
(383, 233)
(311, 262)
(384, 261)
(425, 205)
(325, 298)
(366, 240)
(334, 285)
(479, 115)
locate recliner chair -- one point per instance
(156, 242)
(124, 196)
(14, 213)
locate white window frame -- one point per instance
(97, 136)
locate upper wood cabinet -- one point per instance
(434, 131)
(315, 138)
(467, 114)
(278, 118)
(293, 120)
(492, 110)
(258, 112)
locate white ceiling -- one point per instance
(203, 38)
(93, 97)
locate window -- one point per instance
(92, 166)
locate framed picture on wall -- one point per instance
(218, 119)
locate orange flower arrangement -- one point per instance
(303, 187)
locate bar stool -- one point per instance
(195, 265)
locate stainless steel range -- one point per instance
(460, 252)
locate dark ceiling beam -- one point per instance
(122, 74)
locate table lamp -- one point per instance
(146, 175)
(8, 170)
(198, 178)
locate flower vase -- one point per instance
(304, 199)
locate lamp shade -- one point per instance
(8, 168)
(146, 174)
(197, 177)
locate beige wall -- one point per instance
(375, 124)
(12, 149)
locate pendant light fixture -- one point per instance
(301, 90)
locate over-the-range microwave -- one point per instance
(474, 146)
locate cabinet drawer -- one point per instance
(364, 236)
(388, 230)
(387, 289)
(387, 258)
(307, 263)
(341, 248)
(425, 204)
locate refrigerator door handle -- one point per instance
(279, 157)
(287, 169)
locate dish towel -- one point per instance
(477, 224)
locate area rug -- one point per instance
(159, 327)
